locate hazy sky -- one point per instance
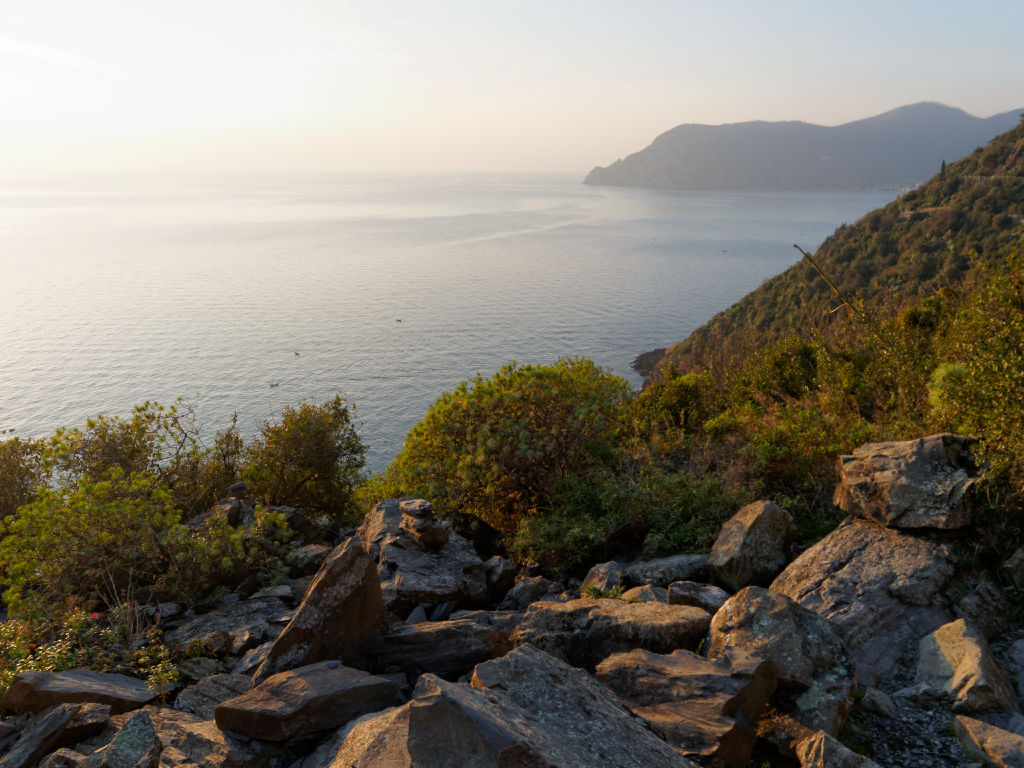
(419, 85)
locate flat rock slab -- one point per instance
(921, 483)
(32, 691)
(708, 709)
(39, 737)
(446, 648)
(992, 745)
(706, 596)
(341, 609)
(202, 698)
(882, 588)
(584, 631)
(815, 674)
(752, 547)
(313, 698)
(229, 629)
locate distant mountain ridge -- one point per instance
(896, 150)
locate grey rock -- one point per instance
(340, 610)
(412, 570)
(62, 758)
(40, 736)
(807, 650)
(922, 483)
(445, 648)
(135, 746)
(662, 571)
(604, 576)
(986, 608)
(306, 560)
(584, 631)
(824, 751)
(646, 594)
(529, 590)
(202, 698)
(992, 745)
(752, 547)
(706, 596)
(708, 709)
(188, 740)
(233, 628)
(32, 691)
(301, 701)
(882, 588)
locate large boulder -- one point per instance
(33, 691)
(883, 589)
(816, 677)
(301, 701)
(446, 648)
(419, 559)
(233, 628)
(955, 663)
(584, 631)
(341, 609)
(708, 709)
(135, 746)
(752, 547)
(922, 483)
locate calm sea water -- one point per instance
(258, 291)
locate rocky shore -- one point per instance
(882, 644)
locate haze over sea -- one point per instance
(260, 290)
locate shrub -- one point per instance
(496, 449)
(311, 458)
(21, 473)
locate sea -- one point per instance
(246, 293)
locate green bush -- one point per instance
(496, 449)
(310, 458)
(21, 473)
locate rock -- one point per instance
(238, 490)
(584, 631)
(39, 737)
(251, 661)
(32, 691)
(229, 629)
(446, 648)
(986, 608)
(707, 709)
(419, 522)
(823, 751)
(501, 577)
(306, 560)
(340, 610)
(752, 546)
(412, 568)
(992, 745)
(194, 670)
(188, 740)
(202, 698)
(883, 589)
(135, 746)
(373, 741)
(922, 483)
(954, 661)
(604, 576)
(529, 590)
(90, 720)
(645, 594)
(880, 703)
(62, 758)
(816, 679)
(301, 701)
(662, 571)
(1014, 568)
(706, 596)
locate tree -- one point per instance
(21, 473)
(498, 449)
(311, 458)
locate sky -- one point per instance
(466, 85)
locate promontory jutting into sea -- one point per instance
(258, 291)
